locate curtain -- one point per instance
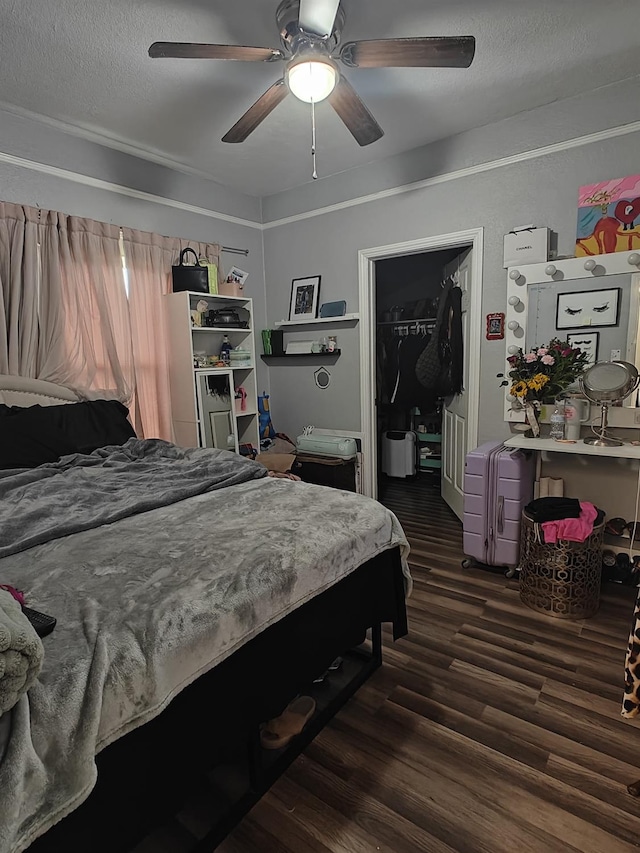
(67, 315)
(87, 322)
(19, 289)
(148, 259)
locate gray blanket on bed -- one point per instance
(83, 491)
(148, 602)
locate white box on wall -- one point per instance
(526, 245)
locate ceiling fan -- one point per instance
(310, 33)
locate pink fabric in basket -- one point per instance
(571, 529)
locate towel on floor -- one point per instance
(571, 529)
(21, 652)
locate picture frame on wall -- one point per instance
(304, 298)
(495, 327)
(609, 217)
(590, 308)
(586, 342)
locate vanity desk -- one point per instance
(594, 303)
(594, 300)
(550, 445)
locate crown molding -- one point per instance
(98, 183)
(489, 166)
(117, 143)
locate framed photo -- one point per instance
(495, 327)
(586, 342)
(588, 308)
(304, 298)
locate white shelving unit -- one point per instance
(199, 411)
(345, 318)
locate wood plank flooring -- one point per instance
(489, 729)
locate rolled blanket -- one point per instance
(21, 652)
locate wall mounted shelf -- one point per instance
(322, 356)
(345, 318)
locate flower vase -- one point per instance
(531, 416)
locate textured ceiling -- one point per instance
(84, 62)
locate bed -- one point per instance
(194, 596)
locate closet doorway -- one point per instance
(404, 419)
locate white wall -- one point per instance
(541, 189)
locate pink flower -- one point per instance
(566, 352)
(530, 356)
(543, 351)
(512, 359)
(548, 359)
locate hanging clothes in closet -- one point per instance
(439, 368)
(399, 347)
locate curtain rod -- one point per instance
(231, 251)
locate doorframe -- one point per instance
(473, 238)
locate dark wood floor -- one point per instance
(489, 729)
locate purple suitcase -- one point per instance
(498, 484)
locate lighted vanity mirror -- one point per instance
(591, 302)
(591, 315)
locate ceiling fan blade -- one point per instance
(182, 50)
(318, 16)
(257, 113)
(357, 118)
(428, 52)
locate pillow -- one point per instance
(32, 436)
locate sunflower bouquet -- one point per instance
(545, 372)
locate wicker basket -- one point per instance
(561, 580)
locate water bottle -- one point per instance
(225, 349)
(557, 423)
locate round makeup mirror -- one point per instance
(605, 383)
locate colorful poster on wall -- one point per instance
(609, 217)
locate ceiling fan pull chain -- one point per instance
(314, 173)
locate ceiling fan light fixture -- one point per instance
(312, 79)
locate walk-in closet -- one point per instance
(419, 364)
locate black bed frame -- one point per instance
(209, 734)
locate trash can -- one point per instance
(399, 453)
(561, 579)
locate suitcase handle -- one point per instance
(501, 514)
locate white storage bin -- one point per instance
(399, 453)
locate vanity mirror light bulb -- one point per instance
(634, 259)
(512, 350)
(513, 325)
(590, 265)
(551, 269)
(514, 300)
(514, 275)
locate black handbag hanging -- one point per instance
(185, 277)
